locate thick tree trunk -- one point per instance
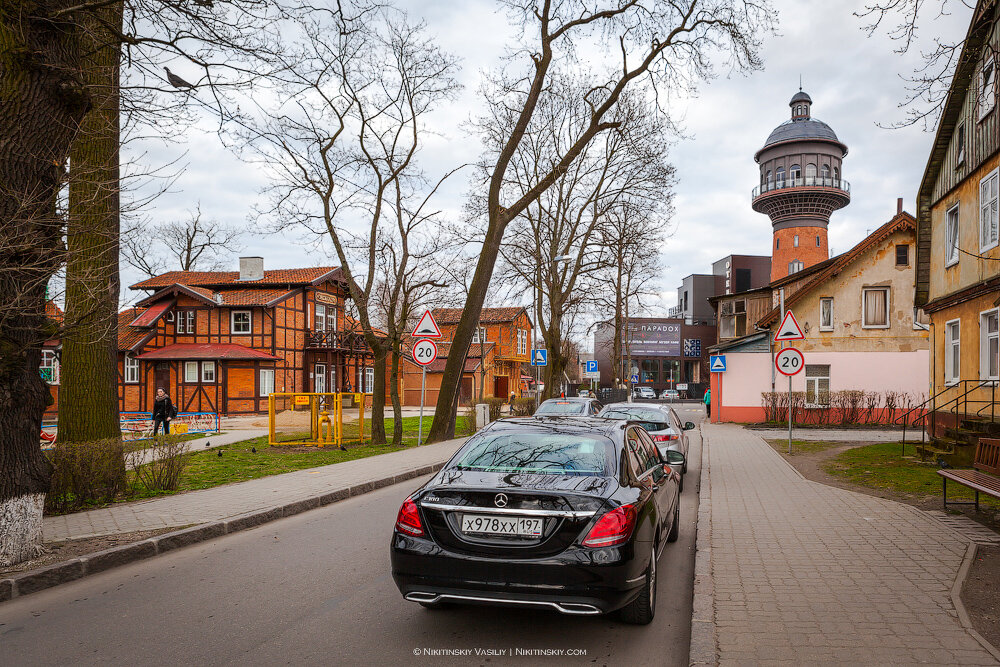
(378, 397)
(397, 408)
(88, 399)
(41, 104)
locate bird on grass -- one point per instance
(208, 444)
(253, 449)
(220, 453)
(177, 82)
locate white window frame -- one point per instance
(984, 346)
(864, 309)
(50, 361)
(206, 376)
(795, 266)
(795, 241)
(991, 238)
(131, 370)
(369, 379)
(814, 382)
(822, 326)
(266, 381)
(232, 322)
(191, 372)
(479, 332)
(185, 322)
(951, 234)
(987, 99)
(952, 345)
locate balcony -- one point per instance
(351, 341)
(815, 181)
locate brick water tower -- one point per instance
(801, 184)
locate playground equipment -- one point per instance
(317, 419)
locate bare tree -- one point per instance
(557, 245)
(195, 244)
(665, 45)
(343, 150)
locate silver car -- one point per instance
(660, 421)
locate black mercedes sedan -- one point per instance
(562, 513)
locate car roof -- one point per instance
(572, 399)
(561, 424)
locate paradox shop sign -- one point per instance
(654, 339)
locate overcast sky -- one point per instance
(854, 82)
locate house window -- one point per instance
(989, 345)
(241, 322)
(826, 314)
(326, 318)
(817, 385)
(185, 322)
(266, 381)
(49, 367)
(903, 255)
(987, 89)
(795, 241)
(208, 372)
(875, 307)
(131, 369)
(190, 371)
(795, 266)
(988, 212)
(522, 341)
(479, 335)
(952, 351)
(366, 380)
(951, 242)
(741, 317)
(960, 146)
(920, 320)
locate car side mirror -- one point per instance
(688, 426)
(674, 458)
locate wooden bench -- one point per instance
(983, 477)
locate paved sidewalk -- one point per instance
(805, 573)
(223, 502)
(835, 435)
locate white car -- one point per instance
(670, 394)
(644, 392)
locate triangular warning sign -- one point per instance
(718, 364)
(789, 329)
(426, 327)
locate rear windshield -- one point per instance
(561, 408)
(642, 414)
(541, 453)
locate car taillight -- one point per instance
(408, 519)
(664, 438)
(613, 528)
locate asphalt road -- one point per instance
(316, 589)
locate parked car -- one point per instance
(660, 421)
(670, 395)
(584, 393)
(643, 392)
(569, 407)
(563, 514)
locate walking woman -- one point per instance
(163, 412)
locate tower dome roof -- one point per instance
(800, 97)
(809, 128)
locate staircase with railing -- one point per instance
(956, 446)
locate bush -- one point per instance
(86, 473)
(159, 466)
(465, 422)
(524, 407)
(496, 404)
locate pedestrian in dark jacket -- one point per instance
(163, 412)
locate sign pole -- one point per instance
(423, 384)
(789, 382)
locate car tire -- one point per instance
(641, 610)
(675, 529)
(680, 485)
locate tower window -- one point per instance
(795, 266)
(794, 173)
(795, 241)
(825, 174)
(810, 174)
(779, 176)
(818, 244)
(777, 243)
(836, 176)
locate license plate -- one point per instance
(501, 525)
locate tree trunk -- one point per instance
(378, 396)
(397, 408)
(88, 400)
(43, 102)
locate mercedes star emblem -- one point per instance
(501, 500)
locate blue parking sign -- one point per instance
(592, 367)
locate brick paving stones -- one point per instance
(805, 573)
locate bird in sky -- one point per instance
(176, 81)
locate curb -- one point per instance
(49, 576)
(956, 599)
(704, 641)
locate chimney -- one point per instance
(899, 205)
(251, 268)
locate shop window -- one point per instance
(650, 369)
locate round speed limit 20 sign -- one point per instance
(424, 351)
(789, 361)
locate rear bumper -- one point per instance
(577, 581)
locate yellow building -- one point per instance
(958, 258)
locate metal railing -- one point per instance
(809, 181)
(959, 405)
(337, 340)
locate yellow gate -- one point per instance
(317, 419)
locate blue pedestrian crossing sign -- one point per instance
(539, 357)
(635, 378)
(717, 363)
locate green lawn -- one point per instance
(880, 466)
(802, 446)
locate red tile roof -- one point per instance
(53, 311)
(486, 315)
(129, 336)
(287, 277)
(149, 317)
(206, 351)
